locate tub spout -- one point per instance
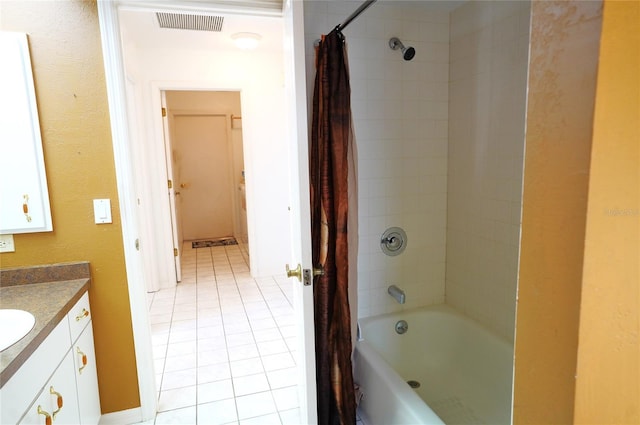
(396, 293)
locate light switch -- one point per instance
(102, 211)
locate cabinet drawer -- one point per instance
(19, 392)
(79, 316)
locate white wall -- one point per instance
(259, 78)
(400, 112)
(488, 71)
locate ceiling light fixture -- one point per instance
(246, 40)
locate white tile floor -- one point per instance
(224, 343)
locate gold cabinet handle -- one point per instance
(83, 358)
(47, 416)
(297, 272)
(84, 313)
(59, 402)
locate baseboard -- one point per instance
(130, 416)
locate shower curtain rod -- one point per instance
(355, 14)
(351, 17)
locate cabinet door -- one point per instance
(87, 378)
(24, 197)
(18, 393)
(58, 400)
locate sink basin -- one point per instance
(14, 324)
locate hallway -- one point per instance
(224, 343)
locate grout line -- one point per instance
(224, 333)
(166, 350)
(197, 339)
(264, 371)
(252, 335)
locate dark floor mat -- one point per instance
(214, 242)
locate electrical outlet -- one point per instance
(6, 243)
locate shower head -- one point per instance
(407, 52)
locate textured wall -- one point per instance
(487, 101)
(68, 71)
(400, 121)
(562, 81)
(608, 376)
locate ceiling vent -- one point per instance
(183, 21)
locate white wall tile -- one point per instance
(412, 163)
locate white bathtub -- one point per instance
(465, 371)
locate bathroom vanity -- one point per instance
(49, 376)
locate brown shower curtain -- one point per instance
(331, 163)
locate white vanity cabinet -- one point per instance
(58, 384)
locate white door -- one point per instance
(203, 175)
(300, 210)
(175, 213)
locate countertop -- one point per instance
(48, 292)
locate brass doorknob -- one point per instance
(297, 272)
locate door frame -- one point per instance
(166, 237)
(116, 81)
(118, 105)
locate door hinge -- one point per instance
(170, 184)
(175, 252)
(164, 112)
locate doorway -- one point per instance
(224, 342)
(145, 61)
(205, 162)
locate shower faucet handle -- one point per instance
(393, 241)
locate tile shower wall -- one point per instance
(488, 70)
(400, 112)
